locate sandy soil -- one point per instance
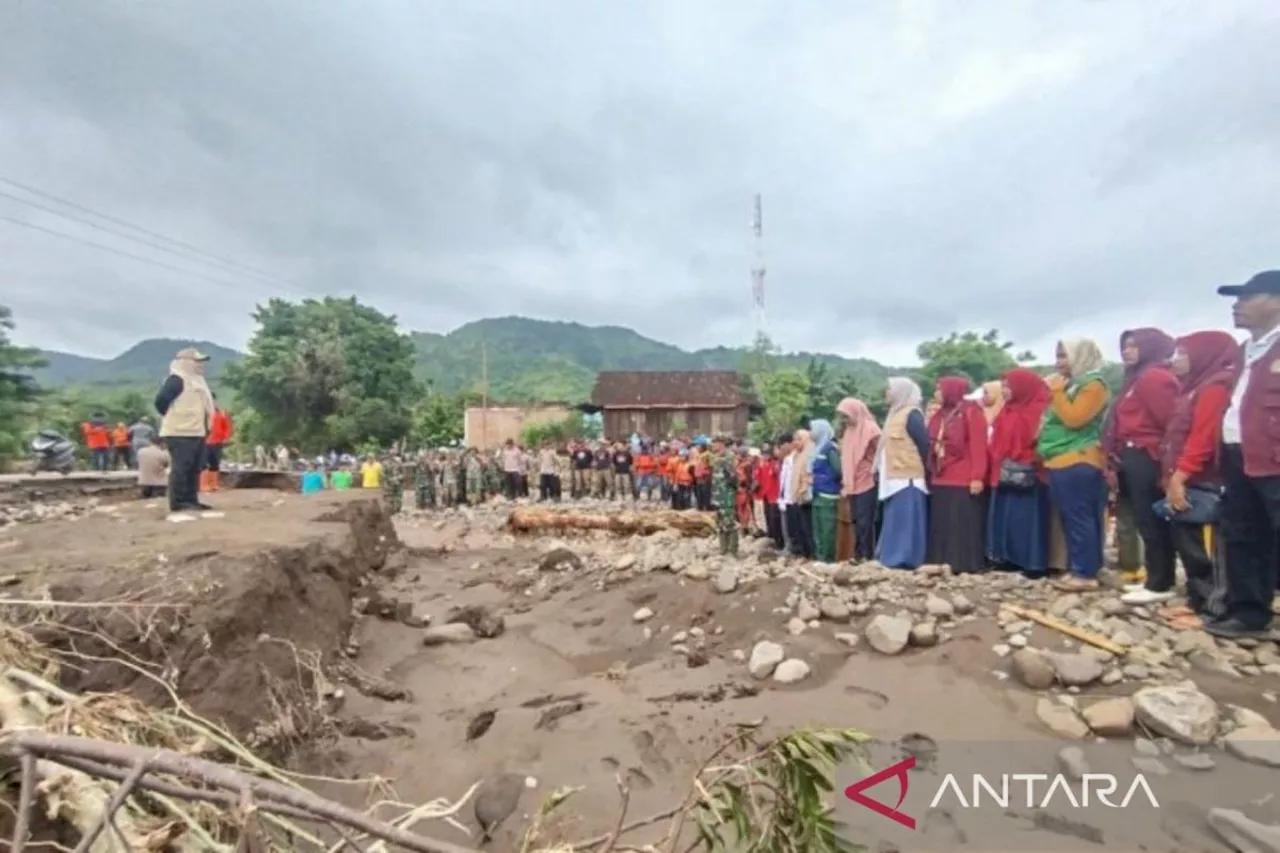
(580, 691)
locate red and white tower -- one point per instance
(758, 270)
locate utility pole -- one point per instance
(484, 394)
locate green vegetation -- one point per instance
(335, 373)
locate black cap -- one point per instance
(1264, 283)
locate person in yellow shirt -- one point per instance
(371, 473)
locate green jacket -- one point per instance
(1056, 438)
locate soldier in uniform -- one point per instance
(474, 477)
(492, 476)
(449, 481)
(724, 487)
(424, 481)
(393, 484)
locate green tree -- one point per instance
(328, 373)
(979, 357)
(19, 393)
(785, 396)
(438, 420)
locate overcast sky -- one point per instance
(1052, 169)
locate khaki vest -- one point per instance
(189, 415)
(901, 457)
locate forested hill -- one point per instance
(527, 359)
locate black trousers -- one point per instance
(1206, 585)
(1139, 481)
(213, 457)
(702, 494)
(863, 507)
(511, 484)
(186, 460)
(800, 529)
(1250, 521)
(546, 486)
(773, 524)
(149, 492)
(681, 497)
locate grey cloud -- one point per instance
(924, 167)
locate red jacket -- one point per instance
(1191, 445)
(219, 428)
(1143, 413)
(1260, 416)
(960, 456)
(768, 480)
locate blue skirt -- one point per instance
(1018, 530)
(904, 535)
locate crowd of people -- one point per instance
(1018, 474)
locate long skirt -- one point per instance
(844, 532)
(905, 531)
(1018, 529)
(957, 533)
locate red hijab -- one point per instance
(1016, 428)
(948, 430)
(1154, 350)
(1214, 358)
(952, 390)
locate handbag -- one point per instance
(1018, 476)
(1205, 507)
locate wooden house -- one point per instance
(658, 403)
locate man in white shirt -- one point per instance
(786, 498)
(1250, 462)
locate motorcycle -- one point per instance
(51, 451)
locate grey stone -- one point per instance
(765, 657)
(849, 639)
(1076, 669)
(833, 608)
(727, 580)
(796, 626)
(1243, 833)
(807, 611)
(963, 606)
(1032, 669)
(924, 635)
(1061, 720)
(644, 614)
(1255, 744)
(935, 605)
(888, 635)
(455, 632)
(791, 671)
(1072, 761)
(1198, 761)
(1178, 711)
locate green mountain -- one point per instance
(146, 362)
(524, 360)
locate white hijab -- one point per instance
(903, 394)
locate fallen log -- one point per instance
(625, 523)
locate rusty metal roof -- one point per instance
(675, 389)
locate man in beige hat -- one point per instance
(186, 408)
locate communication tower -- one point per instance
(758, 270)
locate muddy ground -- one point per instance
(583, 685)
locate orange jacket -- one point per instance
(120, 436)
(96, 436)
(645, 465)
(683, 472)
(219, 428)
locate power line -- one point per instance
(155, 244)
(126, 224)
(113, 250)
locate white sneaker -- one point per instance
(1146, 596)
(1134, 587)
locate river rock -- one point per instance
(644, 614)
(936, 605)
(888, 635)
(559, 560)
(454, 632)
(1032, 669)
(765, 657)
(791, 671)
(833, 607)
(1255, 744)
(1178, 711)
(1072, 761)
(924, 635)
(1061, 720)
(1243, 833)
(727, 580)
(1076, 670)
(807, 611)
(1110, 717)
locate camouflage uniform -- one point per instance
(492, 477)
(393, 485)
(724, 486)
(475, 479)
(424, 483)
(449, 482)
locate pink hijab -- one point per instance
(860, 431)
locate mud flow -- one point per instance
(488, 664)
